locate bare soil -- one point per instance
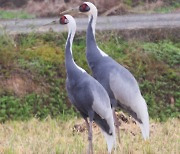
(20, 83)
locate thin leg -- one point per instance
(117, 124)
(87, 123)
(89, 126)
(90, 138)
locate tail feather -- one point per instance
(145, 131)
(144, 126)
(110, 140)
(108, 130)
(102, 123)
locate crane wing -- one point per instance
(101, 104)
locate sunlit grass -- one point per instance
(56, 136)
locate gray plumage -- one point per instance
(85, 93)
(120, 84)
(88, 95)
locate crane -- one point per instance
(87, 94)
(122, 87)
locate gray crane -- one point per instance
(120, 84)
(87, 94)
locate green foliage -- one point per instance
(40, 106)
(8, 14)
(165, 6)
(45, 63)
(12, 108)
(7, 50)
(128, 2)
(166, 51)
(169, 7)
(25, 42)
(41, 57)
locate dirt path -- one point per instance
(126, 22)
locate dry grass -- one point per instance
(56, 136)
(47, 8)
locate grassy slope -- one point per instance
(56, 136)
(33, 74)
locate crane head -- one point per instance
(63, 20)
(88, 8)
(85, 8)
(69, 21)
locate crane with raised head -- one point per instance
(87, 94)
(122, 87)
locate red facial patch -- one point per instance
(63, 20)
(84, 8)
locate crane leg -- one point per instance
(89, 126)
(90, 137)
(117, 124)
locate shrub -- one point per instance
(40, 58)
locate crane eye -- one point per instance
(63, 20)
(84, 8)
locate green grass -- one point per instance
(9, 14)
(168, 8)
(33, 73)
(57, 136)
(153, 6)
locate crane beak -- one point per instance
(52, 23)
(71, 11)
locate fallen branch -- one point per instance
(114, 8)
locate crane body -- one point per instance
(87, 94)
(120, 84)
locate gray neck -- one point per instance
(90, 38)
(92, 50)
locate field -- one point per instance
(51, 136)
(36, 116)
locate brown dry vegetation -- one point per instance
(56, 136)
(53, 8)
(44, 8)
(20, 84)
(113, 7)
